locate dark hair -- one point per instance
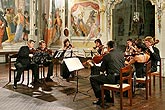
(130, 40)
(99, 41)
(30, 41)
(66, 40)
(141, 46)
(41, 41)
(111, 44)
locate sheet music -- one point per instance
(90, 53)
(73, 64)
(58, 54)
(71, 53)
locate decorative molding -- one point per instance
(153, 2)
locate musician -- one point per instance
(47, 62)
(153, 51)
(98, 46)
(111, 64)
(139, 60)
(23, 62)
(67, 44)
(130, 49)
(64, 70)
(97, 58)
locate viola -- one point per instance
(97, 58)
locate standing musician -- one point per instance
(111, 64)
(47, 54)
(23, 62)
(153, 51)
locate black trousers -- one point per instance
(20, 68)
(50, 66)
(98, 80)
(65, 73)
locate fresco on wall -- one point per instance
(85, 20)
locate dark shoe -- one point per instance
(97, 102)
(37, 82)
(15, 85)
(48, 80)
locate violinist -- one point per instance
(65, 73)
(97, 58)
(98, 46)
(67, 44)
(110, 66)
(47, 53)
(153, 51)
(139, 59)
(130, 49)
(23, 62)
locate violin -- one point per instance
(97, 58)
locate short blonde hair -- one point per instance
(149, 39)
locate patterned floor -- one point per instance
(59, 95)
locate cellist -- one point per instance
(153, 51)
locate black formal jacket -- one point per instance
(113, 62)
(154, 57)
(23, 56)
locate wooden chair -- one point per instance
(12, 60)
(158, 74)
(125, 75)
(147, 79)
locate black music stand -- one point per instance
(58, 55)
(74, 64)
(90, 53)
(70, 53)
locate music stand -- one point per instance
(70, 53)
(90, 53)
(74, 64)
(58, 55)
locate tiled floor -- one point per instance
(59, 95)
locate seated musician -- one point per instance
(23, 62)
(98, 46)
(139, 60)
(130, 49)
(47, 53)
(97, 58)
(64, 70)
(111, 64)
(153, 51)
